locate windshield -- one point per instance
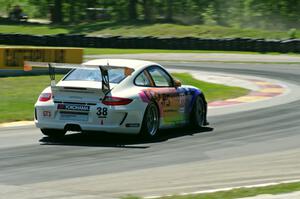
(94, 74)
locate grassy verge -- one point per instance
(33, 29)
(203, 31)
(103, 51)
(238, 193)
(18, 94)
(159, 30)
(109, 51)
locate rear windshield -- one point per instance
(94, 74)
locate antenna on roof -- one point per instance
(107, 63)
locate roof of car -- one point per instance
(130, 63)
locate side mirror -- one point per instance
(177, 83)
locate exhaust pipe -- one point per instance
(72, 127)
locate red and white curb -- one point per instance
(225, 189)
(260, 88)
(266, 90)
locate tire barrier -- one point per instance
(185, 43)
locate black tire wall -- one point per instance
(186, 43)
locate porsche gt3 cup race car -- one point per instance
(118, 96)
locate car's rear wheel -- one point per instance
(53, 133)
(150, 123)
(198, 113)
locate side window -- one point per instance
(142, 80)
(160, 77)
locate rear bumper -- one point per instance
(89, 127)
(120, 119)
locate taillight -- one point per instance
(116, 101)
(44, 97)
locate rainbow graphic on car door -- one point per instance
(175, 104)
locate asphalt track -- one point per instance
(242, 148)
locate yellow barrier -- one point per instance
(14, 57)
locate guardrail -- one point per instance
(186, 43)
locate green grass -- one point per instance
(109, 51)
(33, 29)
(139, 29)
(112, 51)
(102, 51)
(203, 31)
(238, 193)
(18, 94)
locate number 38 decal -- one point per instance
(101, 112)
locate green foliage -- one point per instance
(209, 16)
(292, 33)
(267, 14)
(142, 29)
(7, 5)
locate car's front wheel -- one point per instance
(150, 123)
(53, 133)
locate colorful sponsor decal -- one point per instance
(175, 104)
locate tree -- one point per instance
(132, 9)
(56, 12)
(147, 8)
(90, 4)
(277, 14)
(169, 16)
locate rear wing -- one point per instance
(51, 68)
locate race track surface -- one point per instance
(243, 148)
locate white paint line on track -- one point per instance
(226, 189)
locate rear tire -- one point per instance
(150, 123)
(198, 113)
(53, 133)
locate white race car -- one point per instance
(118, 96)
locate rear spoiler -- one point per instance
(51, 68)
